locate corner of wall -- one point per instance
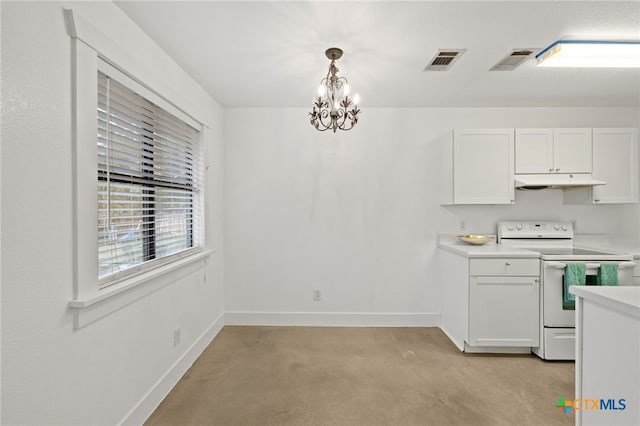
(150, 401)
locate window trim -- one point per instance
(133, 288)
(89, 47)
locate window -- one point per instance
(139, 187)
(148, 183)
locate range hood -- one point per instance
(556, 180)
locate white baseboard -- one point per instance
(496, 349)
(333, 319)
(459, 343)
(145, 407)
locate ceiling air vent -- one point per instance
(513, 60)
(444, 59)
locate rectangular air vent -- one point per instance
(513, 59)
(444, 59)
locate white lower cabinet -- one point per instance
(504, 302)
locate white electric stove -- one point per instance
(554, 241)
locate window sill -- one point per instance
(110, 299)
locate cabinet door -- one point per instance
(504, 311)
(615, 161)
(483, 166)
(534, 151)
(572, 150)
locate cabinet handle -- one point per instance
(557, 170)
(597, 201)
(507, 263)
(550, 170)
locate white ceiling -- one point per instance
(271, 54)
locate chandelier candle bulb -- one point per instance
(333, 109)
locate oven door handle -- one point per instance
(562, 265)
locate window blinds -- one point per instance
(149, 179)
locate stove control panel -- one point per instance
(537, 230)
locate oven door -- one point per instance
(552, 295)
(552, 290)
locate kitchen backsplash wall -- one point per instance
(547, 204)
(356, 214)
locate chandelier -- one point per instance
(333, 108)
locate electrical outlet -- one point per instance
(204, 278)
(176, 337)
(574, 224)
(463, 225)
(317, 295)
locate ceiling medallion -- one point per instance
(333, 108)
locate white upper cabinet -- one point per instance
(615, 161)
(553, 151)
(483, 166)
(534, 151)
(572, 150)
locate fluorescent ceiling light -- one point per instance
(590, 54)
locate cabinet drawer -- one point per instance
(512, 267)
(560, 343)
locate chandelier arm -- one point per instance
(353, 117)
(317, 123)
(348, 115)
(323, 127)
(313, 118)
(324, 113)
(352, 122)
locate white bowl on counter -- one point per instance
(476, 240)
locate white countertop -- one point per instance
(604, 242)
(489, 250)
(624, 298)
(493, 250)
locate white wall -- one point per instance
(357, 214)
(1, 127)
(51, 373)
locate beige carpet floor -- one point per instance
(361, 377)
